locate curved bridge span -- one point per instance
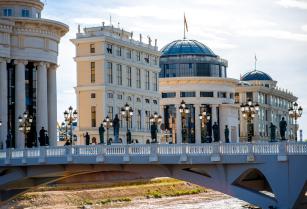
(269, 175)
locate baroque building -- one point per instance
(193, 73)
(113, 70)
(28, 64)
(273, 101)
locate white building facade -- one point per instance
(192, 73)
(28, 64)
(114, 70)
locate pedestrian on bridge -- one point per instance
(87, 139)
(226, 132)
(273, 132)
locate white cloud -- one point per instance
(88, 20)
(304, 28)
(300, 4)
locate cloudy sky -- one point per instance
(275, 30)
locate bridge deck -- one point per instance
(153, 153)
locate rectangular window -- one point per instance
(249, 96)
(7, 12)
(129, 76)
(139, 119)
(110, 95)
(155, 82)
(119, 51)
(119, 75)
(231, 95)
(169, 95)
(221, 95)
(147, 83)
(119, 96)
(206, 94)
(129, 54)
(93, 95)
(25, 13)
(92, 48)
(109, 48)
(147, 119)
(138, 78)
(93, 116)
(138, 56)
(146, 58)
(187, 94)
(237, 98)
(110, 72)
(92, 72)
(110, 111)
(156, 61)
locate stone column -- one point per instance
(197, 124)
(42, 99)
(20, 99)
(214, 118)
(178, 125)
(52, 104)
(3, 102)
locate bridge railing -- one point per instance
(261, 148)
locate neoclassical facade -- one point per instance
(192, 73)
(273, 101)
(114, 69)
(28, 63)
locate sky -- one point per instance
(236, 30)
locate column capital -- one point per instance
(41, 64)
(53, 66)
(4, 59)
(24, 62)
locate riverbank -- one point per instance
(156, 193)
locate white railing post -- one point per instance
(69, 153)
(42, 154)
(183, 156)
(8, 156)
(153, 157)
(215, 157)
(101, 153)
(25, 155)
(282, 151)
(126, 156)
(250, 155)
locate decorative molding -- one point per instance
(24, 62)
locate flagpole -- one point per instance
(184, 26)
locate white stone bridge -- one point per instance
(269, 175)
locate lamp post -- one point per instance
(155, 120)
(204, 117)
(249, 112)
(127, 113)
(25, 124)
(295, 112)
(184, 110)
(70, 116)
(107, 123)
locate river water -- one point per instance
(187, 202)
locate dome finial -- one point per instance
(185, 26)
(255, 62)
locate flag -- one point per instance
(186, 24)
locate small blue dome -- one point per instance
(256, 75)
(186, 47)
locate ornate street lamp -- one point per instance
(107, 123)
(249, 112)
(184, 110)
(295, 112)
(204, 117)
(70, 116)
(127, 113)
(155, 120)
(25, 124)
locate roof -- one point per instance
(256, 75)
(186, 47)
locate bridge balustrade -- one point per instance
(234, 149)
(297, 148)
(265, 148)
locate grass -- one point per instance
(115, 200)
(173, 193)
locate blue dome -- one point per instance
(256, 75)
(186, 47)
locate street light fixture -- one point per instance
(70, 116)
(204, 117)
(295, 112)
(127, 113)
(155, 120)
(25, 124)
(107, 123)
(249, 112)
(184, 110)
